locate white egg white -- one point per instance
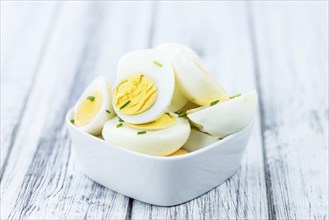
(194, 80)
(153, 142)
(102, 85)
(168, 49)
(178, 101)
(226, 117)
(198, 140)
(142, 62)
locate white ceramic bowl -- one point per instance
(163, 181)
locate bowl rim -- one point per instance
(218, 143)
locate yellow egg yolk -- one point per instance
(88, 109)
(135, 95)
(165, 121)
(179, 152)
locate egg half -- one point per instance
(179, 100)
(193, 79)
(224, 118)
(94, 107)
(198, 140)
(161, 137)
(144, 87)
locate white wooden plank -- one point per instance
(40, 180)
(291, 39)
(25, 29)
(219, 32)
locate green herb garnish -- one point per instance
(119, 125)
(124, 105)
(237, 95)
(120, 120)
(182, 115)
(214, 103)
(108, 111)
(157, 63)
(91, 98)
(141, 132)
(72, 121)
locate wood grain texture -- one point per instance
(25, 31)
(41, 180)
(291, 43)
(280, 48)
(220, 34)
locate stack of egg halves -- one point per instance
(159, 94)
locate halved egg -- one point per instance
(178, 100)
(94, 107)
(224, 118)
(144, 87)
(161, 137)
(198, 140)
(192, 77)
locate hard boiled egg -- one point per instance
(144, 87)
(198, 140)
(193, 79)
(94, 107)
(224, 118)
(161, 137)
(178, 100)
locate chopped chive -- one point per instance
(91, 98)
(237, 95)
(157, 63)
(120, 120)
(72, 121)
(119, 125)
(124, 105)
(182, 115)
(108, 111)
(214, 103)
(167, 113)
(141, 132)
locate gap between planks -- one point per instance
(45, 151)
(267, 174)
(16, 127)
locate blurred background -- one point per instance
(50, 50)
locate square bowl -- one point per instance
(164, 181)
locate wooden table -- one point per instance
(51, 50)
